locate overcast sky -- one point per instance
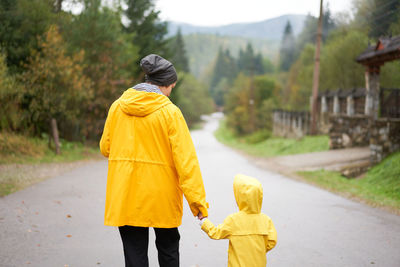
(220, 12)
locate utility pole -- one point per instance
(314, 110)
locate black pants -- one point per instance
(136, 240)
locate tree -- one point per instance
(338, 66)
(259, 64)
(296, 95)
(395, 27)
(238, 104)
(220, 91)
(21, 22)
(194, 99)
(178, 55)
(382, 16)
(10, 99)
(110, 60)
(309, 32)
(268, 66)
(147, 32)
(287, 50)
(248, 62)
(55, 83)
(225, 67)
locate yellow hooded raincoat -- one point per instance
(251, 233)
(151, 162)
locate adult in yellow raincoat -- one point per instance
(151, 163)
(251, 233)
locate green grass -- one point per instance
(7, 188)
(21, 149)
(379, 187)
(272, 146)
(196, 126)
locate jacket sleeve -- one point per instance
(186, 164)
(271, 238)
(105, 142)
(222, 231)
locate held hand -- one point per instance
(200, 216)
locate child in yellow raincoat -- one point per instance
(251, 233)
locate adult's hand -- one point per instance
(200, 216)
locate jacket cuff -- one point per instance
(207, 224)
(199, 207)
(204, 210)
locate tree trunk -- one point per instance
(54, 130)
(58, 5)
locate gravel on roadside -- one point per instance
(14, 177)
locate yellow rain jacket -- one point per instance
(251, 233)
(151, 162)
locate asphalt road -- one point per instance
(59, 222)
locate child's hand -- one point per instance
(201, 218)
(202, 221)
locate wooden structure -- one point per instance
(386, 49)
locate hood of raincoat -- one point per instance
(141, 103)
(248, 194)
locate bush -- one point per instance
(258, 136)
(15, 146)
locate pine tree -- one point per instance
(225, 68)
(178, 57)
(250, 63)
(147, 30)
(246, 60)
(287, 51)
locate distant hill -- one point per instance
(202, 49)
(202, 43)
(270, 29)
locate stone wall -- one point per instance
(290, 124)
(350, 119)
(348, 131)
(385, 138)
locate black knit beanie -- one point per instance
(158, 70)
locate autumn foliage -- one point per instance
(55, 85)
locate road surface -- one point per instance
(59, 222)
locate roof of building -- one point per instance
(386, 49)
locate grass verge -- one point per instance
(25, 161)
(21, 149)
(379, 187)
(272, 146)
